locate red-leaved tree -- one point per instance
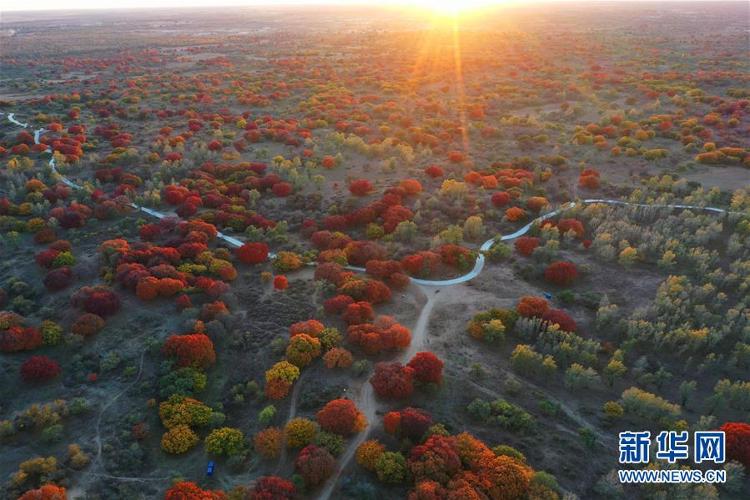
(530, 306)
(315, 465)
(100, 300)
(737, 442)
(337, 304)
(280, 282)
(434, 171)
(252, 253)
(187, 490)
(525, 245)
(57, 279)
(194, 349)
(436, 459)
(560, 318)
(360, 187)
(39, 369)
(19, 338)
(561, 273)
(410, 423)
(341, 416)
(358, 312)
(393, 381)
(500, 199)
(272, 488)
(45, 492)
(427, 367)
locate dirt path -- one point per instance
(367, 402)
(572, 414)
(294, 399)
(97, 437)
(365, 398)
(480, 260)
(479, 263)
(96, 464)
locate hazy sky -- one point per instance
(8, 5)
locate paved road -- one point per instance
(365, 399)
(480, 260)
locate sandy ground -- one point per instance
(723, 177)
(365, 398)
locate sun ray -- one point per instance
(437, 56)
(460, 88)
(453, 8)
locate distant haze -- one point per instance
(27, 5)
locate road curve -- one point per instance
(366, 398)
(478, 263)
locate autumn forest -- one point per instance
(279, 253)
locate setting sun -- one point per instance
(356, 249)
(454, 7)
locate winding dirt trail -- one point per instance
(365, 398)
(573, 414)
(480, 260)
(97, 436)
(96, 464)
(293, 401)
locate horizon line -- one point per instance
(385, 5)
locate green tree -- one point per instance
(226, 441)
(266, 415)
(405, 231)
(587, 436)
(649, 406)
(185, 381)
(579, 377)
(391, 467)
(451, 234)
(613, 410)
(334, 443)
(473, 228)
(687, 389)
(734, 394)
(614, 371)
(527, 361)
(498, 252)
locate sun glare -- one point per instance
(454, 7)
